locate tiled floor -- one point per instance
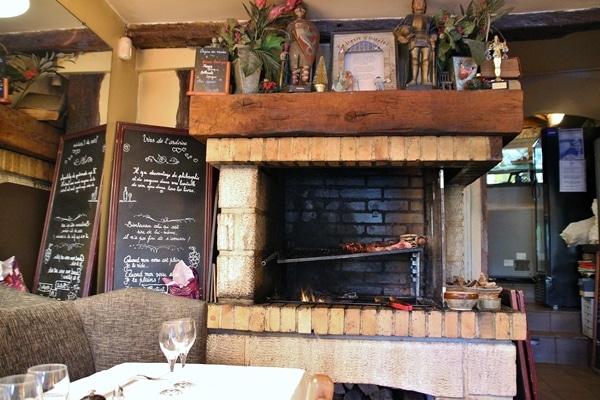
(567, 382)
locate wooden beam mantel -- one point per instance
(24, 134)
(393, 112)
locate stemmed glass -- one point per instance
(187, 328)
(170, 339)
(20, 387)
(54, 379)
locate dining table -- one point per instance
(209, 381)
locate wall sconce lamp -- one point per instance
(554, 118)
(13, 8)
(125, 48)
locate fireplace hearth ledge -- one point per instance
(448, 354)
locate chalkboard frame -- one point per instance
(112, 251)
(223, 85)
(91, 256)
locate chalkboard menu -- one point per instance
(157, 212)
(69, 242)
(212, 71)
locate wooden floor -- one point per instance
(567, 382)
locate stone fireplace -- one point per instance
(447, 354)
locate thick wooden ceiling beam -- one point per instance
(24, 134)
(519, 27)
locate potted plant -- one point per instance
(467, 34)
(256, 44)
(24, 70)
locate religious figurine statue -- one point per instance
(497, 50)
(304, 40)
(419, 33)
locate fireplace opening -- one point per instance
(326, 212)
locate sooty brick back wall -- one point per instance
(325, 207)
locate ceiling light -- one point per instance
(555, 119)
(13, 8)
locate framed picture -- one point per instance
(363, 61)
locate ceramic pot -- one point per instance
(246, 83)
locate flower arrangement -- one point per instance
(23, 70)
(263, 33)
(466, 34)
(478, 83)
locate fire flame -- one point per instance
(307, 296)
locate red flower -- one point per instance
(260, 3)
(460, 29)
(282, 9)
(30, 74)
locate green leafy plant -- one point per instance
(23, 70)
(263, 34)
(466, 34)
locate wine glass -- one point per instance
(187, 327)
(20, 387)
(170, 339)
(54, 379)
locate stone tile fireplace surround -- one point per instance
(447, 354)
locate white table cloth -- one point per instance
(223, 382)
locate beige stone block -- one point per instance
(213, 316)
(302, 151)
(304, 319)
(385, 322)
(434, 324)
(241, 231)
(487, 325)
(462, 148)
(484, 375)
(288, 318)
(241, 317)
(352, 321)
(368, 321)
(235, 276)
(226, 349)
(320, 320)
(257, 319)
(318, 150)
(397, 148)
(381, 150)
(238, 186)
(413, 148)
(273, 318)
(226, 319)
(364, 150)
(336, 320)
(212, 150)
(503, 326)
(241, 151)
(451, 328)
(480, 149)
(401, 323)
(429, 148)
(418, 326)
(349, 148)
(446, 148)
(256, 149)
(467, 324)
(271, 150)
(519, 326)
(333, 149)
(286, 149)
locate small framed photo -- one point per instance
(363, 61)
